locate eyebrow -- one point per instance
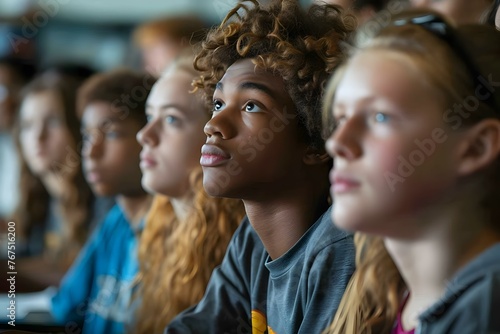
(113, 120)
(250, 85)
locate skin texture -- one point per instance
(173, 137)
(45, 139)
(110, 151)
(250, 125)
(381, 110)
(255, 152)
(433, 223)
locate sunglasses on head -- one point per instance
(445, 32)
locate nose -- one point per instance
(93, 145)
(148, 135)
(345, 142)
(40, 132)
(222, 124)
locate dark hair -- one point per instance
(378, 5)
(124, 89)
(24, 70)
(302, 47)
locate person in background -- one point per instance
(263, 71)
(458, 11)
(414, 119)
(97, 290)
(162, 40)
(14, 74)
(55, 205)
(186, 232)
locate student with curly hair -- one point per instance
(416, 151)
(186, 232)
(263, 71)
(97, 290)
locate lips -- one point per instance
(93, 176)
(212, 156)
(342, 182)
(147, 161)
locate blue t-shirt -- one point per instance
(96, 291)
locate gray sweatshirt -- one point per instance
(471, 303)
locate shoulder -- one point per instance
(471, 309)
(327, 237)
(114, 219)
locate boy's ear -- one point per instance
(314, 156)
(480, 147)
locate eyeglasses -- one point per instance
(443, 30)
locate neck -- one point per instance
(182, 206)
(448, 242)
(282, 219)
(135, 207)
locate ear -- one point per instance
(480, 147)
(315, 156)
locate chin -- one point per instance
(102, 190)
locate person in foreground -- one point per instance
(263, 71)
(417, 174)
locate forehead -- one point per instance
(173, 85)
(99, 112)
(379, 73)
(41, 103)
(246, 70)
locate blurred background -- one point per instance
(95, 33)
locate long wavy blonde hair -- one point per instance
(373, 296)
(176, 258)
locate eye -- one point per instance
(339, 121)
(252, 107)
(217, 105)
(171, 119)
(149, 118)
(85, 136)
(112, 134)
(54, 122)
(381, 117)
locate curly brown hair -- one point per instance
(303, 47)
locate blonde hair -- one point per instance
(176, 258)
(372, 298)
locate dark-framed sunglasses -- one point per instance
(445, 32)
